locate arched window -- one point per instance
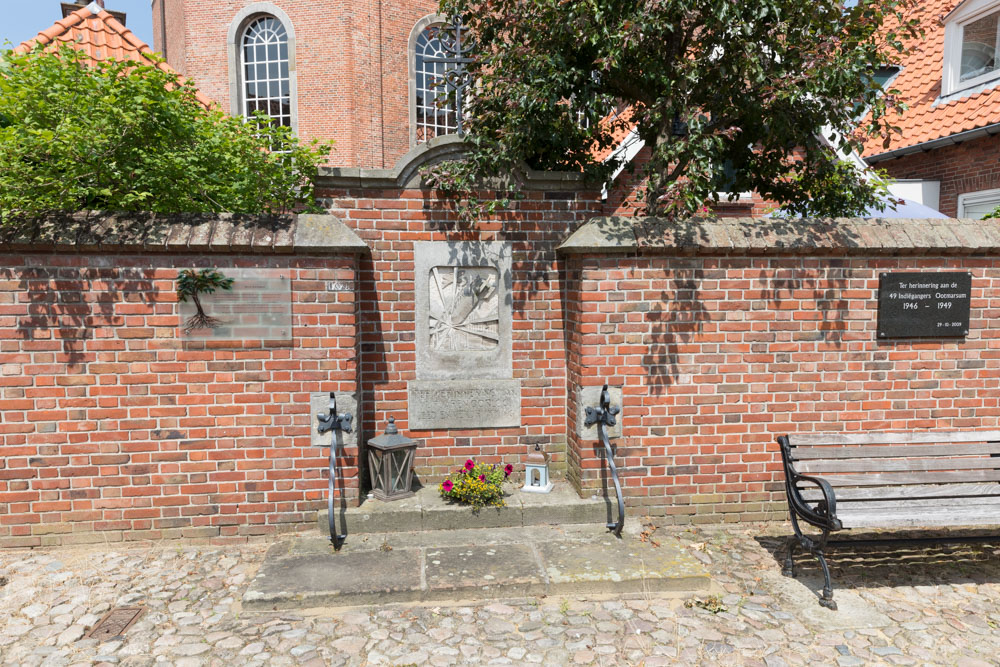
(436, 103)
(264, 65)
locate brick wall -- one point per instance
(721, 352)
(967, 167)
(390, 220)
(115, 429)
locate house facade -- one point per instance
(951, 83)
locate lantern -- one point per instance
(390, 463)
(536, 472)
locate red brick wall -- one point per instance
(390, 221)
(112, 428)
(720, 355)
(966, 167)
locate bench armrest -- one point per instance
(824, 515)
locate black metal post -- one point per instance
(604, 415)
(336, 423)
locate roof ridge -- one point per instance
(94, 19)
(49, 35)
(126, 34)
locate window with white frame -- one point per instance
(265, 69)
(977, 205)
(972, 46)
(436, 103)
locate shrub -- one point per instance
(79, 134)
(477, 484)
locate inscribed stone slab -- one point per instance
(463, 310)
(486, 403)
(258, 307)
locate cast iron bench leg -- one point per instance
(827, 599)
(789, 569)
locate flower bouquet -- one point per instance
(477, 484)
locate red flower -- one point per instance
(469, 465)
(446, 485)
(508, 469)
(482, 478)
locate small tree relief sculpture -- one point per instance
(190, 284)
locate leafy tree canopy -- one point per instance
(79, 134)
(729, 96)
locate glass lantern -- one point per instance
(390, 463)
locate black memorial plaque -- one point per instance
(912, 305)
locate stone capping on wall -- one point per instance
(175, 233)
(406, 173)
(773, 236)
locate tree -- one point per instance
(728, 96)
(190, 284)
(79, 134)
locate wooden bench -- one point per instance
(925, 479)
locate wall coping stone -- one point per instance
(772, 236)
(406, 173)
(188, 232)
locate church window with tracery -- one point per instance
(265, 68)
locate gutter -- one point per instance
(951, 140)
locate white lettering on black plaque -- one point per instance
(914, 305)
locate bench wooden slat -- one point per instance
(903, 517)
(894, 451)
(916, 505)
(821, 466)
(851, 494)
(915, 437)
(894, 478)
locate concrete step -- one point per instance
(470, 564)
(427, 510)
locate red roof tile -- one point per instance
(919, 84)
(102, 37)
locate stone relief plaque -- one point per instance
(463, 310)
(258, 307)
(463, 337)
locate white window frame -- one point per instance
(234, 40)
(954, 30)
(969, 198)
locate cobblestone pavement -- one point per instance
(936, 605)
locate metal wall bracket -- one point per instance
(604, 415)
(333, 422)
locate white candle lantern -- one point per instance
(536, 472)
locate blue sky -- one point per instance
(23, 20)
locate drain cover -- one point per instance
(115, 622)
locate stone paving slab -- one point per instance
(292, 578)
(609, 565)
(427, 510)
(475, 564)
(473, 571)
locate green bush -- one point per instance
(79, 134)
